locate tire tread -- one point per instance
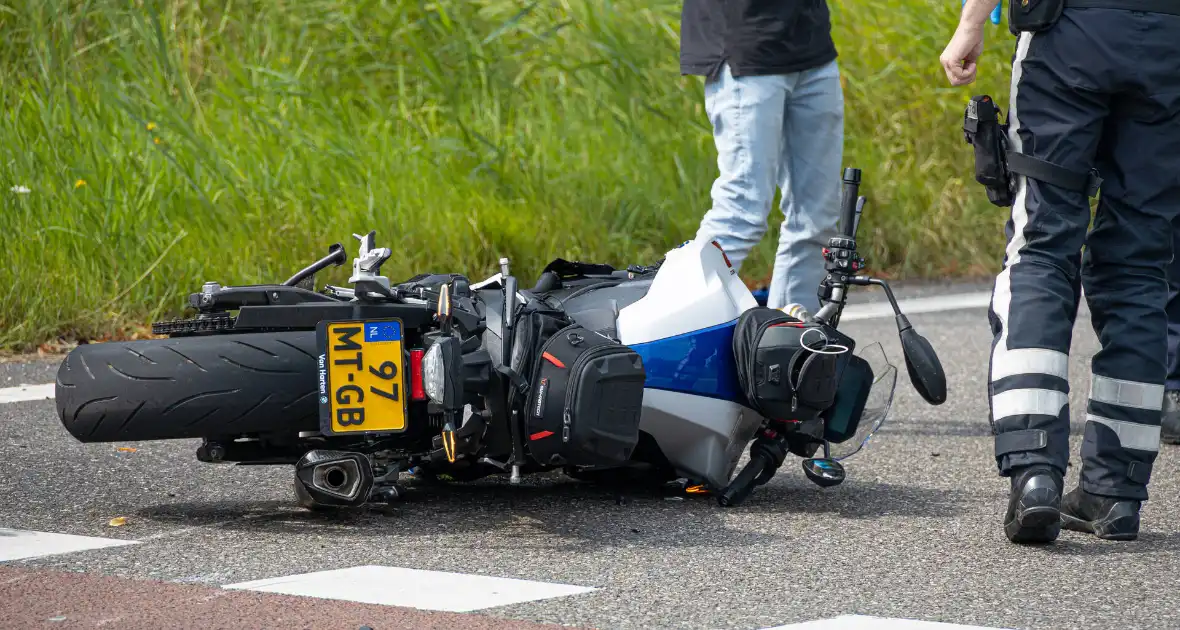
(190, 387)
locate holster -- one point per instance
(995, 164)
(989, 137)
(1033, 16)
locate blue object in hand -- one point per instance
(995, 12)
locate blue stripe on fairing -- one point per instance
(699, 362)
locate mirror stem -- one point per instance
(866, 281)
(883, 285)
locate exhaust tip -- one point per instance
(335, 477)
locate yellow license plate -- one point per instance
(362, 377)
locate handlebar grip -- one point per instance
(743, 484)
(848, 197)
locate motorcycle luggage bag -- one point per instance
(782, 379)
(585, 400)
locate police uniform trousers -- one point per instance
(1173, 381)
(1100, 89)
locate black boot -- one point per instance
(1109, 518)
(1170, 418)
(1034, 514)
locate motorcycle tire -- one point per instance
(211, 386)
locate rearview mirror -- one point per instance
(922, 363)
(823, 472)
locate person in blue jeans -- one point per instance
(773, 96)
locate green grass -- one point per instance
(234, 140)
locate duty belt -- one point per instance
(1170, 7)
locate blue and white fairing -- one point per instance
(682, 321)
(683, 328)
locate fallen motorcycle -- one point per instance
(664, 372)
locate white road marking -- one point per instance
(19, 544)
(412, 588)
(959, 301)
(27, 392)
(864, 622)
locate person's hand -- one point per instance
(961, 54)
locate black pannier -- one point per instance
(789, 370)
(585, 399)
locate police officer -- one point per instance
(1095, 89)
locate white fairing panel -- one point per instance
(702, 437)
(695, 288)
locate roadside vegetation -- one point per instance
(151, 145)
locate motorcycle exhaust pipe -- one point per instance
(335, 477)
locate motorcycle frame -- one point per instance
(293, 306)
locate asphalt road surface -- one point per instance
(913, 534)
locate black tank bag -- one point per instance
(784, 380)
(787, 369)
(585, 399)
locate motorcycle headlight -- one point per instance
(434, 373)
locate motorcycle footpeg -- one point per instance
(337, 478)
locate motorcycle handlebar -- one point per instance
(848, 199)
(335, 257)
(743, 484)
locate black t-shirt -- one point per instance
(754, 36)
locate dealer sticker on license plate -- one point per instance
(362, 387)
